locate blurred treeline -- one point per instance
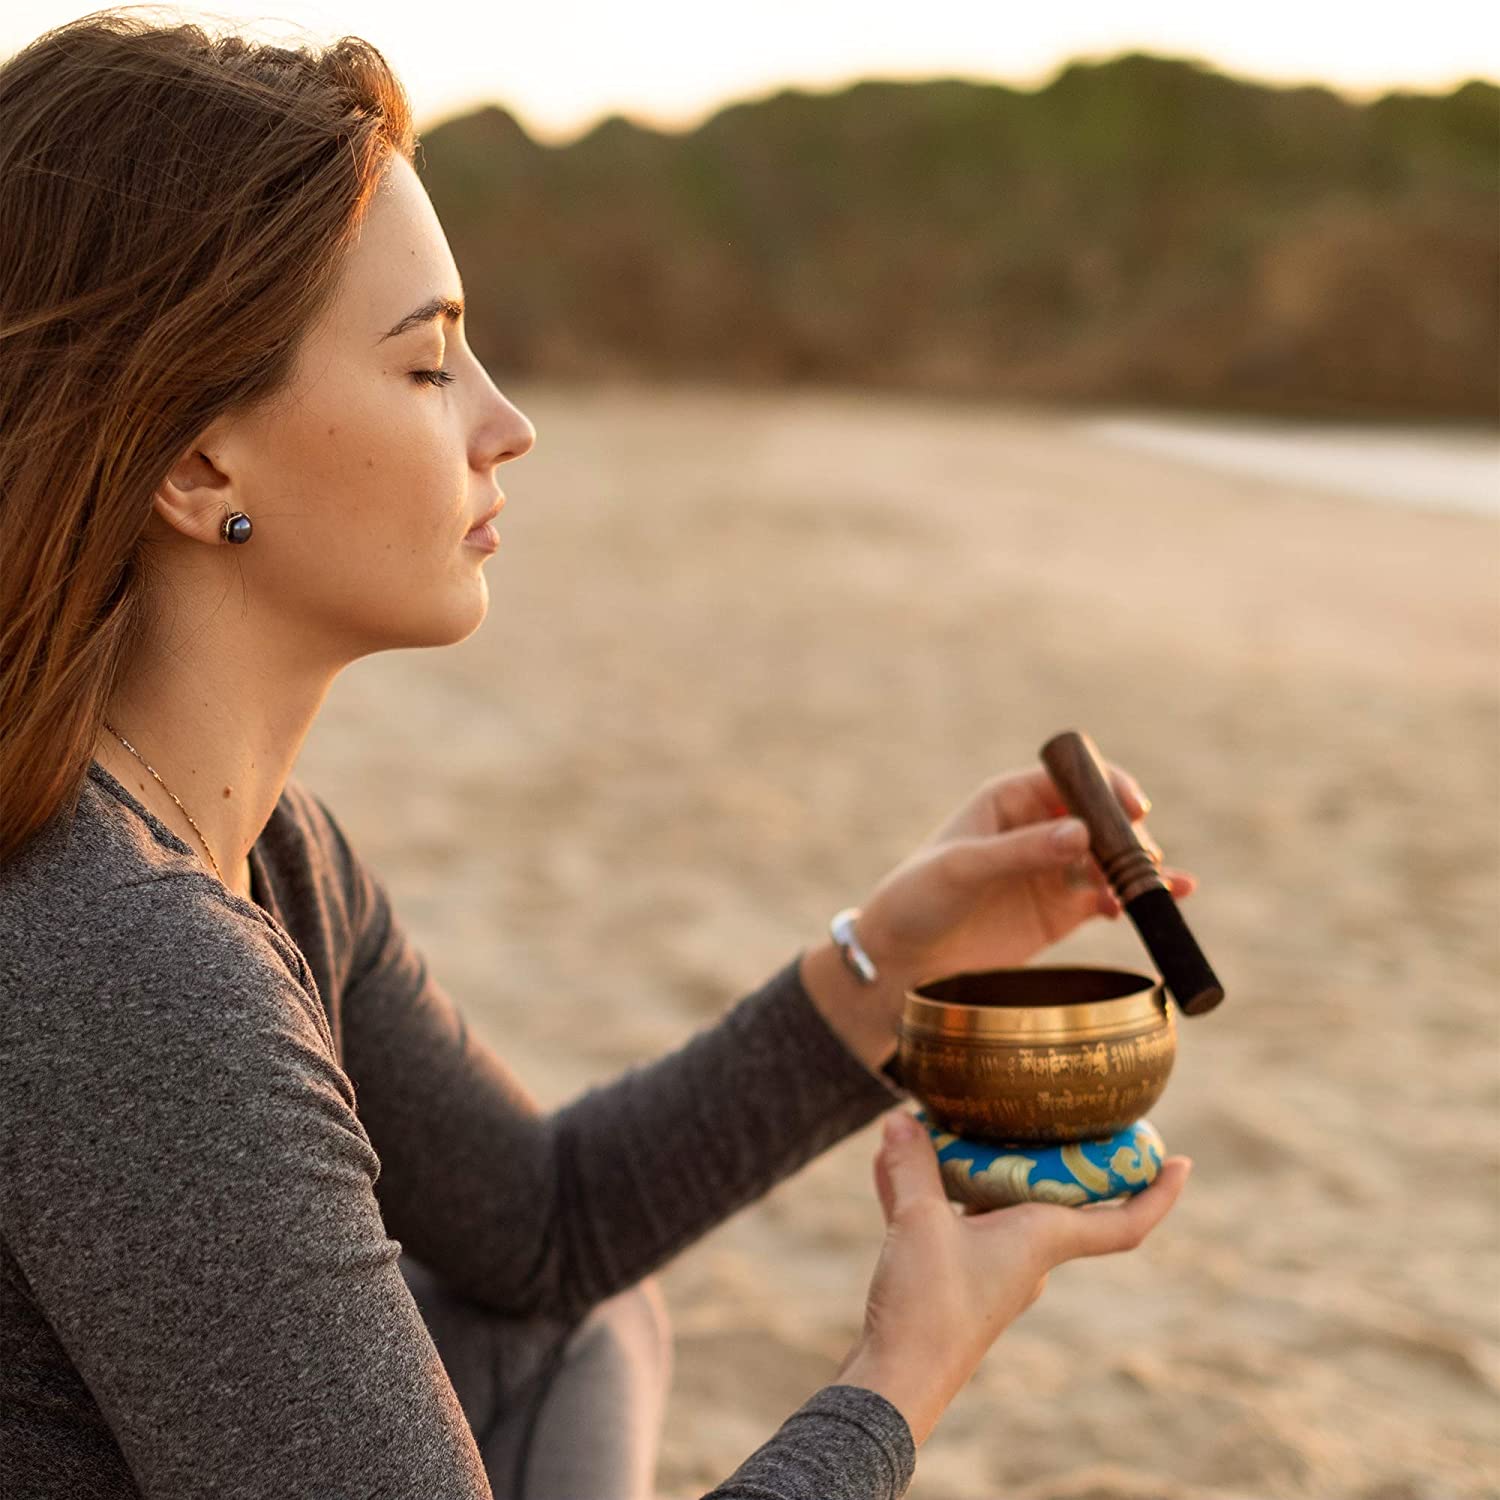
(1142, 231)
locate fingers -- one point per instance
(906, 1167)
(1135, 802)
(1108, 1228)
(885, 1189)
(1028, 802)
(1083, 874)
(1020, 851)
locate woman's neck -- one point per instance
(141, 785)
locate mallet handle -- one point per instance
(1075, 765)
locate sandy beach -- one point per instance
(745, 650)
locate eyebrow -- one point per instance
(444, 307)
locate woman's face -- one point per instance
(362, 477)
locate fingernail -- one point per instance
(899, 1126)
(1070, 836)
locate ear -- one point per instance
(199, 490)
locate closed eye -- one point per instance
(433, 377)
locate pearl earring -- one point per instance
(236, 527)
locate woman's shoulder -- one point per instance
(111, 901)
(161, 996)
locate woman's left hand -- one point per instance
(1006, 876)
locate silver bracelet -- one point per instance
(841, 930)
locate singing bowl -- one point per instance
(1038, 1056)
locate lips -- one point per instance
(489, 515)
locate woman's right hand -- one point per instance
(947, 1285)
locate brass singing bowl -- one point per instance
(1039, 1056)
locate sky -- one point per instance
(562, 65)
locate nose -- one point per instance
(513, 434)
(504, 433)
(522, 434)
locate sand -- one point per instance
(745, 650)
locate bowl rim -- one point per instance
(1141, 1003)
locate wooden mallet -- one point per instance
(1076, 768)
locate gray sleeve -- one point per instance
(190, 1196)
(526, 1212)
(843, 1443)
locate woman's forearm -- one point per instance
(863, 1016)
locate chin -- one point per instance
(463, 617)
(462, 623)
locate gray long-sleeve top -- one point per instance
(224, 1119)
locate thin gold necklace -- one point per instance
(168, 790)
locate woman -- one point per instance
(272, 1221)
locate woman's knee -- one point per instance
(635, 1326)
(656, 1302)
(649, 1290)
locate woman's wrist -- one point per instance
(919, 1395)
(864, 1016)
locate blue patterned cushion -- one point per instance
(988, 1176)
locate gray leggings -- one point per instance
(559, 1411)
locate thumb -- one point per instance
(906, 1167)
(1020, 851)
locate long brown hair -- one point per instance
(174, 209)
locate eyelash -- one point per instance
(433, 377)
